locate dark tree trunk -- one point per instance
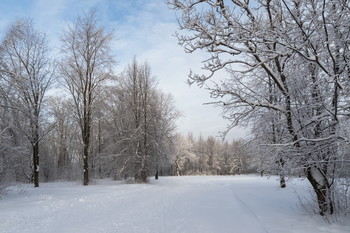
(282, 181)
(86, 137)
(35, 148)
(156, 176)
(86, 142)
(36, 164)
(282, 177)
(321, 187)
(86, 166)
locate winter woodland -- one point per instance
(287, 75)
(85, 121)
(286, 67)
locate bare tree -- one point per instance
(142, 123)
(139, 85)
(288, 72)
(87, 62)
(27, 68)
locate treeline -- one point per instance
(71, 116)
(211, 156)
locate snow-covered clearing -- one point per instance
(238, 204)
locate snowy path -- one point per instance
(243, 204)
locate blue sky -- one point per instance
(143, 28)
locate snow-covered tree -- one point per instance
(139, 124)
(288, 67)
(86, 63)
(27, 71)
(210, 157)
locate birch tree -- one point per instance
(87, 62)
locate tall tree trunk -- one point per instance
(322, 189)
(86, 142)
(35, 147)
(86, 165)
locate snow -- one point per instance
(238, 204)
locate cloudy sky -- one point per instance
(143, 28)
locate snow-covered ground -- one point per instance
(238, 204)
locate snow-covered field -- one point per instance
(238, 204)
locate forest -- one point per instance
(86, 122)
(286, 65)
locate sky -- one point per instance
(143, 29)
